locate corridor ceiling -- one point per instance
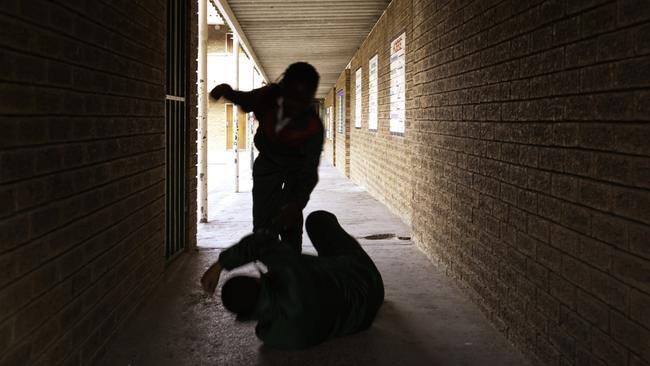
(323, 33)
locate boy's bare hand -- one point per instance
(210, 278)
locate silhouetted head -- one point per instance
(240, 294)
(300, 82)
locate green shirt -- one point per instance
(307, 299)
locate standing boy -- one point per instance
(289, 140)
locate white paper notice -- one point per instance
(372, 93)
(357, 99)
(330, 125)
(398, 84)
(341, 110)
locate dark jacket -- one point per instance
(295, 149)
(308, 299)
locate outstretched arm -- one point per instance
(250, 248)
(246, 100)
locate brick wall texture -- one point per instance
(82, 172)
(524, 170)
(217, 137)
(217, 142)
(380, 161)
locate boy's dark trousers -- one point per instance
(272, 186)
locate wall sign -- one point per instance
(330, 123)
(372, 93)
(357, 99)
(341, 109)
(398, 84)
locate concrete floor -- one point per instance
(425, 319)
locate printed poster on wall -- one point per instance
(341, 109)
(372, 93)
(357, 99)
(327, 122)
(330, 123)
(398, 84)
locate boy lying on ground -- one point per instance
(303, 299)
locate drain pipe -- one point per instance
(203, 110)
(235, 110)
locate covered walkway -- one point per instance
(511, 136)
(425, 319)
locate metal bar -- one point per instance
(183, 210)
(181, 51)
(202, 112)
(174, 173)
(168, 211)
(183, 180)
(251, 145)
(174, 98)
(251, 121)
(177, 47)
(175, 129)
(167, 49)
(177, 177)
(235, 110)
(184, 53)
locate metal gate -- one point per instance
(176, 129)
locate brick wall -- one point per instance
(217, 38)
(82, 169)
(217, 139)
(216, 108)
(330, 142)
(528, 127)
(342, 155)
(381, 161)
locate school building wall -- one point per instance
(82, 180)
(380, 160)
(221, 70)
(216, 108)
(523, 169)
(217, 128)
